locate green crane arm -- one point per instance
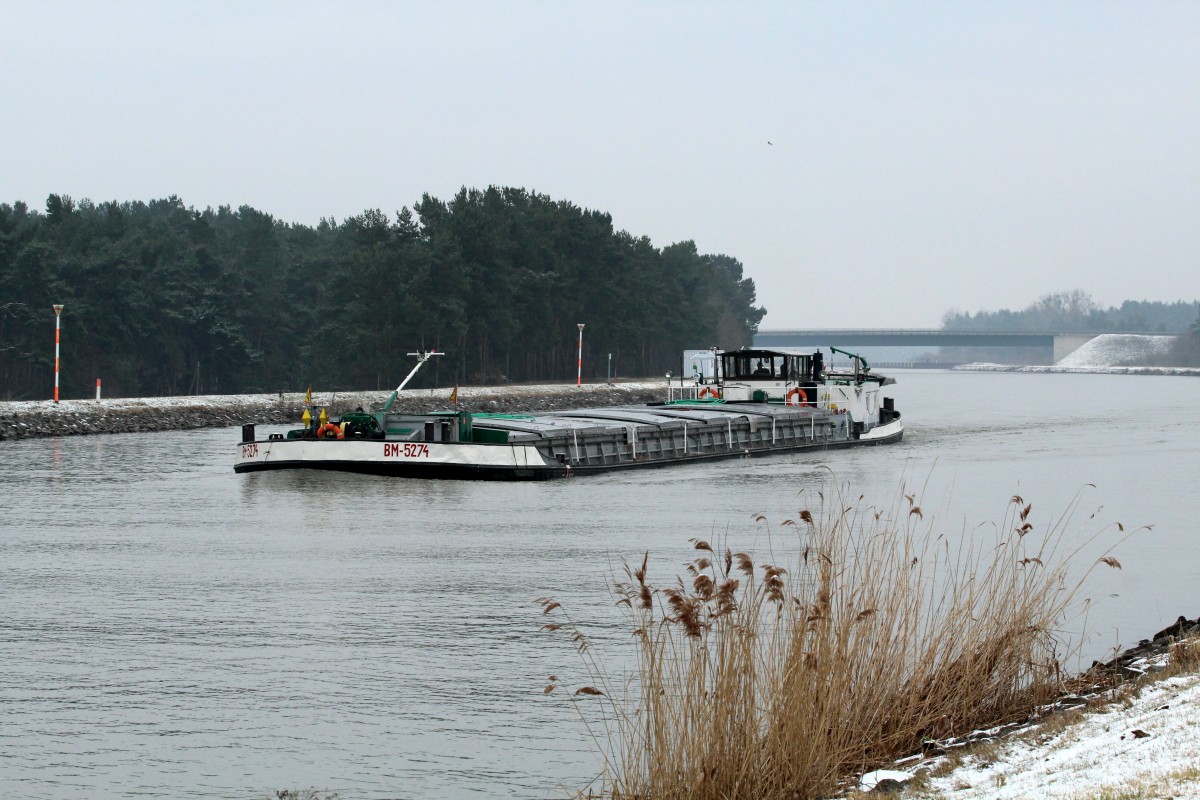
(863, 361)
(422, 357)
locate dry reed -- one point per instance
(759, 681)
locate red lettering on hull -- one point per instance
(406, 450)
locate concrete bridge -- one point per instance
(1059, 344)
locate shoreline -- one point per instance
(1096, 370)
(35, 419)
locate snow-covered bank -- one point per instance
(1107, 354)
(1142, 744)
(983, 366)
(42, 418)
(1114, 349)
(1132, 740)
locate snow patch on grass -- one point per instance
(1144, 745)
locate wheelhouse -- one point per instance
(770, 365)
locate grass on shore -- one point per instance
(756, 680)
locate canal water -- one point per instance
(169, 629)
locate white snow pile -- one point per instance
(985, 366)
(1117, 349)
(1107, 354)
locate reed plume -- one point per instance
(764, 681)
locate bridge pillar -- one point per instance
(1067, 343)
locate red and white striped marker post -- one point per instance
(57, 338)
(579, 363)
(97, 388)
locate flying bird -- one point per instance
(770, 142)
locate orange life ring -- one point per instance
(797, 391)
(329, 431)
(708, 391)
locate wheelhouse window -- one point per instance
(764, 365)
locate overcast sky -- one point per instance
(871, 164)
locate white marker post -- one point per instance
(579, 364)
(97, 388)
(57, 338)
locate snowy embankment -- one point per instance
(1108, 354)
(1139, 739)
(30, 419)
(1142, 744)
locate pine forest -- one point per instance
(164, 299)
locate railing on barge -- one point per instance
(711, 393)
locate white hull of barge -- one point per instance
(495, 461)
(427, 459)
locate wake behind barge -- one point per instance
(757, 402)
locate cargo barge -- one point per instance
(754, 402)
